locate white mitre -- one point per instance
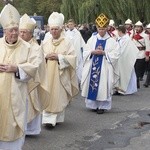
(139, 23)
(128, 21)
(27, 23)
(9, 17)
(56, 19)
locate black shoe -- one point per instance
(145, 85)
(49, 126)
(100, 111)
(141, 79)
(116, 93)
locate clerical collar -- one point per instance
(10, 43)
(71, 29)
(13, 45)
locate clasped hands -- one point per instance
(8, 68)
(52, 56)
(98, 51)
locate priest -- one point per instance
(18, 64)
(38, 92)
(97, 78)
(61, 70)
(125, 77)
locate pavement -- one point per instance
(138, 143)
(125, 127)
(132, 133)
(142, 141)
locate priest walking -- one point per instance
(61, 70)
(97, 77)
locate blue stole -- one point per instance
(95, 72)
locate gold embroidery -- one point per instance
(102, 20)
(57, 42)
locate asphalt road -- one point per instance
(83, 129)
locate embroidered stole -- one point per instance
(95, 72)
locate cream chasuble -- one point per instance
(62, 80)
(38, 91)
(13, 92)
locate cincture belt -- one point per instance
(141, 48)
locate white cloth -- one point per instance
(36, 33)
(52, 118)
(23, 76)
(14, 145)
(99, 104)
(79, 46)
(125, 78)
(114, 34)
(47, 36)
(17, 144)
(34, 127)
(106, 78)
(132, 87)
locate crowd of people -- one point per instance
(40, 77)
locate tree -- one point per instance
(70, 9)
(118, 10)
(26, 6)
(46, 7)
(87, 10)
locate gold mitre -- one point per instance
(102, 21)
(9, 17)
(27, 23)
